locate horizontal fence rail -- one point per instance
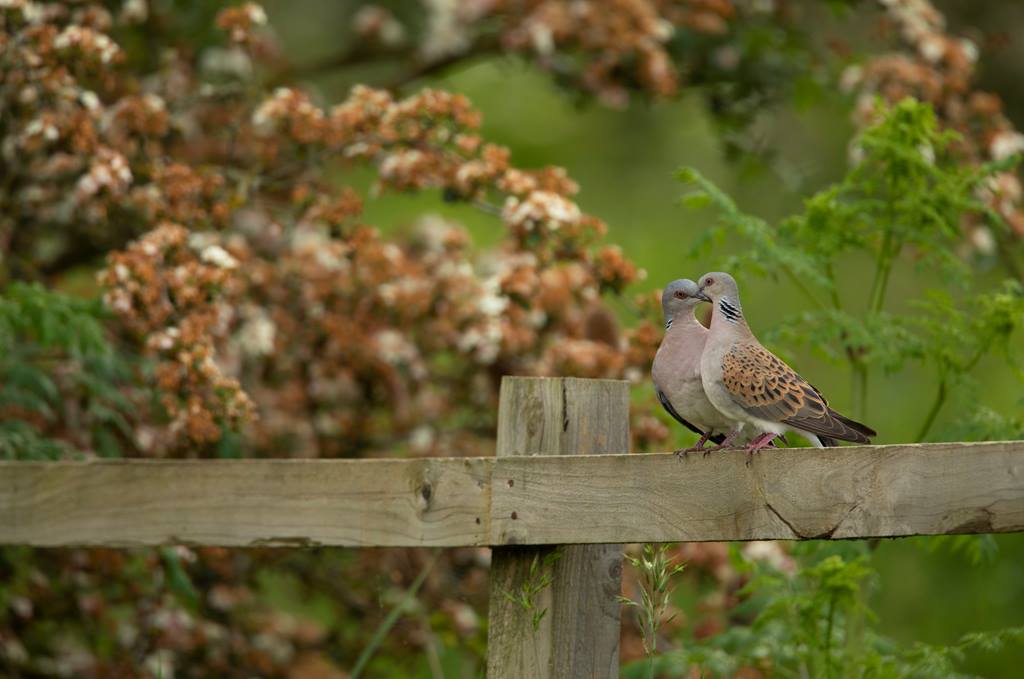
(848, 492)
(581, 500)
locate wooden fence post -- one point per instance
(554, 610)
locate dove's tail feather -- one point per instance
(853, 424)
(828, 442)
(831, 425)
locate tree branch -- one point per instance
(364, 54)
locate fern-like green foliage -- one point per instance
(61, 381)
(902, 205)
(814, 623)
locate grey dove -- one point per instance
(676, 368)
(750, 385)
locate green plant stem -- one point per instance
(882, 267)
(854, 635)
(828, 636)
(886, 255)
(834, 292)
(860, 389)
(982, 350)
(942, 391)
(857, 381)
(1004, 246)
(392, 617)
(803, 288)
(929, 420)
(430, 650)
(879, 293)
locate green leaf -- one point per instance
(696, 200)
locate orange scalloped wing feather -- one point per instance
(766, 388)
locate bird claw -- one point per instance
(699, 446)
(707, 450)
(727, 444)
(683, 452)
(765, 440)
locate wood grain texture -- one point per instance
(787, 494)
(847, 492)
(428, 502)
(579, 633)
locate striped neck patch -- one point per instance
(731, 313)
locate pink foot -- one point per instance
(726, 443)
(682, 452)
(761, 441)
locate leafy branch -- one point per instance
(58, 368)
(902, 205)
(814, 623)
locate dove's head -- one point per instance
(679, 296)
(720, 289)
(718, 285)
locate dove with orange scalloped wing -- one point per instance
(752, 386)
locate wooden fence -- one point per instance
(562, 479)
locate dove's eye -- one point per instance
(679, 294)
(709, 281)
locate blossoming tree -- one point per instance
(244, 307)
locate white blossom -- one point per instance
(257, 15)
(218, 256)
(932, 47)
(89, 100)
(983, 241)
(445, 33)
(1005, 144)
(540, 207)
(257, 334)
(134, 11)
(421, 438)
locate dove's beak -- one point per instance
(703, 297)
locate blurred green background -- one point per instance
(624, 162)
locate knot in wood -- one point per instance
(426, 492)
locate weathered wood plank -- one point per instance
(430, 502)
(872, 491)
(797, 493)
(578, 635)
